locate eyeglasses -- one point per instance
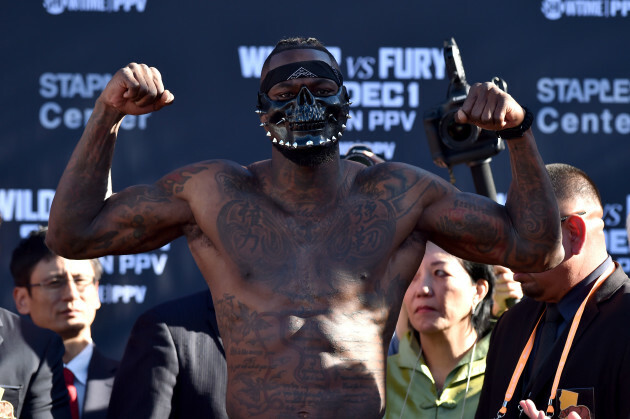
(57, 283)
(563, 219)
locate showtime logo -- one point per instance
(56, 7)
(555, 9)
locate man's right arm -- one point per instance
(524, 235)
(85, 219)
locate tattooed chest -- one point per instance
(265, 242)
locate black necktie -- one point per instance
(547, 337)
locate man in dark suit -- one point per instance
(31, 370)
(594, 380)
(62, 295)
(174, 364)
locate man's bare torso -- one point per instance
(307, 294)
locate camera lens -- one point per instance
(458, 132)
(457, 136)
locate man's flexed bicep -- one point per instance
(476, 228)
(470, 226)
(137, 219)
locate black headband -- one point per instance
(298, 70)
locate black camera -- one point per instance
(452, 143)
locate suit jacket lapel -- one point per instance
(99, 383)
(91, 392)
(605, 292)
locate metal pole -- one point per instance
(482, 177)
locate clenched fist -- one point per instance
(490, 108)
(136, 89)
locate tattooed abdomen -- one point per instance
(299, 362)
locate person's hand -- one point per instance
(490, 108)
(505, 289)
(136, 89)
(529, 408)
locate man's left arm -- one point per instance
(525, 234)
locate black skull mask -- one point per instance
(306, 120)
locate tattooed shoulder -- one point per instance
(175, 182)
(402, 185)
(234, 180)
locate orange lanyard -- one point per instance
(522, 361)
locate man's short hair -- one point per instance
(30, 251)
(299, 43)
(569, 182)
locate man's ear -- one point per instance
(22, 300)
(577, 233)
